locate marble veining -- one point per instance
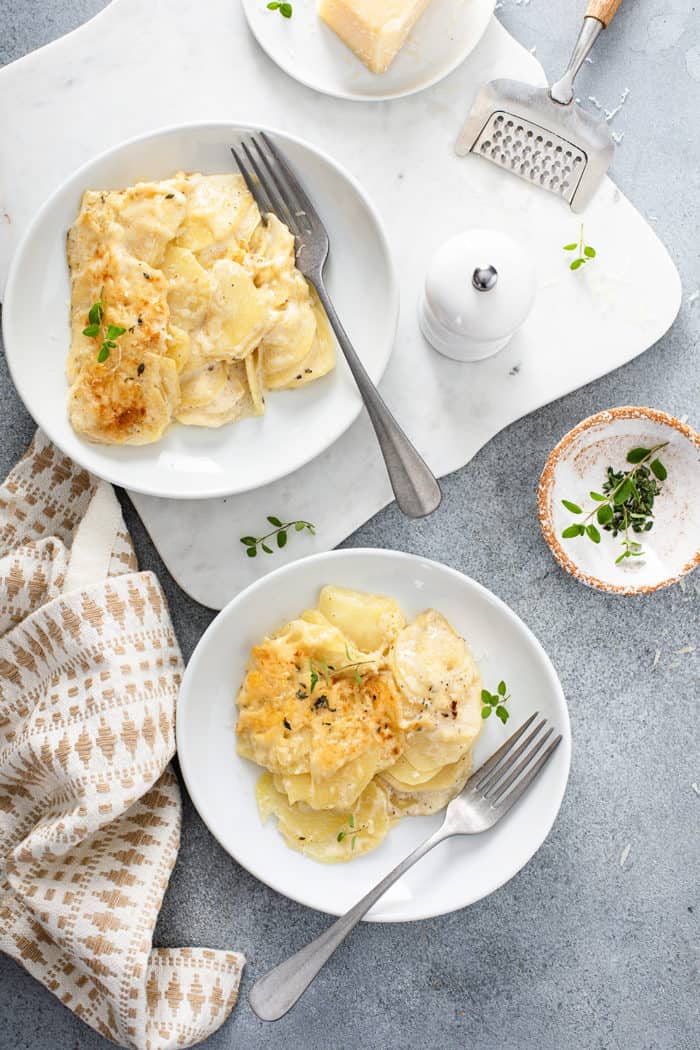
(168, 71)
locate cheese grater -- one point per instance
(541, 134)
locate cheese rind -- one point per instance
(375, 30)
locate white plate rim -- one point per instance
(224, 490)
(357, 96)
(405, 558)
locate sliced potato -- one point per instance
(189, 288)
(271, 258)
(288, 344)
(150, 215)
(371, 621)
(232, 403)
(178, 346)
(238, 318)
(110, 407)
(320, 640)
(219, 204)
(328, 836)
(318, 362)
(340, 790)
(256, 382)
(434, 794)
(201, 386)
(441, 691)
(195, 234)
(403, 775)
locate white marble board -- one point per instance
(136, 67)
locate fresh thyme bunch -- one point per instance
(626, 502)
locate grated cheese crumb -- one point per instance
(684, 650)
(610, 114)
(625, 854)
(695, 788)
(657, 657)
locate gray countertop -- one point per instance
(579, 950)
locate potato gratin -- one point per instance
(184, 307)
(360, 719)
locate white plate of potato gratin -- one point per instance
(157, 328)
(369, 50)
(334, 707)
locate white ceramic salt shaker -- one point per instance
(479, 290)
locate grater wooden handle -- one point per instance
(603, 10)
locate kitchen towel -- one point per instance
(89, 809)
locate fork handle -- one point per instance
(416, 490)
(277, 992)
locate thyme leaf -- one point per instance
(626, 504)
(344, 832)
(96, 329)
(286, 10)
(585, 252)
(496, 703)
(322, 670)
(279, 533)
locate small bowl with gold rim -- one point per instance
(619, 500)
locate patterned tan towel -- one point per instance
(89, 810)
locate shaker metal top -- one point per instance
(484, 278)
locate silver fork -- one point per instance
(277, 189)
(487, 796)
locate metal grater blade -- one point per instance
(533, 153)
(559, 148)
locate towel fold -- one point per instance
(89, 809)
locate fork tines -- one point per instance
(273, 184)
(510, 770)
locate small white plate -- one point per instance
(578, 464)
(222, 785)
(193, 462)
(308, 50)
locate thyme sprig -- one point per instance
(626, 502)
(286, 10)
(280, 533)
(343, 833)
(95, 328)
(585, 251)
(322, 671)
(496, 702)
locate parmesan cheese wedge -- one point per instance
(375, 30)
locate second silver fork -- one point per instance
(276, 188)
(487, 796)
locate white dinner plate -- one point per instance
(222, 785)
(195, 462)
(305, 48)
